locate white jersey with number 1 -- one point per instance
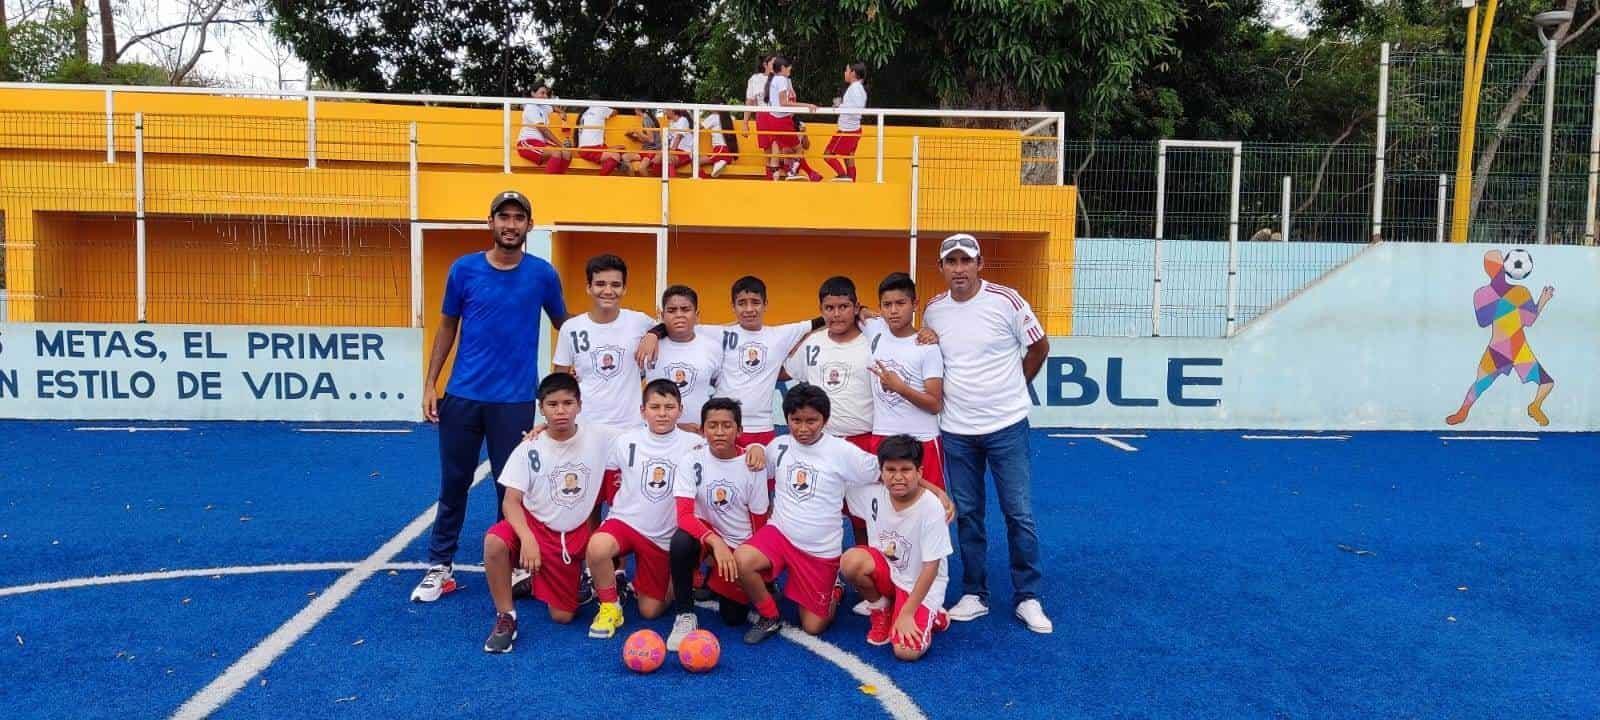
(650, 466)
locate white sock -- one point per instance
(513, 614)
(879, 604)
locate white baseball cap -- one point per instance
(959, 242)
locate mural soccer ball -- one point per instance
(1518, 264)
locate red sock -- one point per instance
(770, 170)
(607, 594)
(838, 167)
(852, 172)
(806, 168)
(608, 166)
(556, 166)
(768, 608)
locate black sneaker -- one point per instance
(762, 629)
(585, 589)
(702, 594)
(521, 583)
(505, 631)
(625, 591)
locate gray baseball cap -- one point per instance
(513, 197)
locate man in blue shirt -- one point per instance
(493, 299)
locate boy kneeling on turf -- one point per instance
(813, 472)
(721, 502)
(905, 558)
(644, 512)
(552, 484)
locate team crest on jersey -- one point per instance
(802, 480)
(658, 478)
(889, 397)
(752, 357)
(896, 548)
(682, 375)
(721, 496)
(566, 484)
(607, 361)
(835, 375)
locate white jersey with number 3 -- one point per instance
(560, 481)
(725, 493)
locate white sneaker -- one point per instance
(863, 608)
(968, 608)
(435, 583)
(1031, 613)
(521, 583)
(717, 167)
(681, 627)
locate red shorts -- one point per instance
(843, 144)
(556, 583)
(679, 157)
(746, 439)
(532, 149)
(865, 441)
(730, 590)
(811, 578)
(719, 152)
(652, 571)
(777, 131)
(883, 580)
(593, 153)
(932, 458)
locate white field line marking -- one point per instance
(171, 575)
(1527, 438)
(895, 701)
(217, 693)
(352, 430)
(130, 428)
(124, 578)
(1107, 438)
(1295, 437)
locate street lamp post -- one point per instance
(1548, 23)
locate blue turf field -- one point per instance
(1201, 576)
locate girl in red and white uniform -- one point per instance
(537, 142)
(724, 145)
(592, 140)
(680, 142)
(841, 151)
(755, 90)
(777, 128)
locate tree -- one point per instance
(626, 48)
(50, 40)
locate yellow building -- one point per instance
(330, 212)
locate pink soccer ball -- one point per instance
(644, 651)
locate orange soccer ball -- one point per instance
(699, 651)
(644, 651)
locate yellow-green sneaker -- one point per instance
(606, 621)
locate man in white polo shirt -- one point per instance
(992, 346)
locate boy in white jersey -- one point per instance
(902, 572)
(837, 362)
(907, 376)
(813, 470)
(551, 487)
(642, 517)
(537, 142)
(691, 360)
(841, 151)
(599, 347)
(721, 502)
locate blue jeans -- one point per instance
(1005, 452)
(464, 425)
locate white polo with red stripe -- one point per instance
(983, 340)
